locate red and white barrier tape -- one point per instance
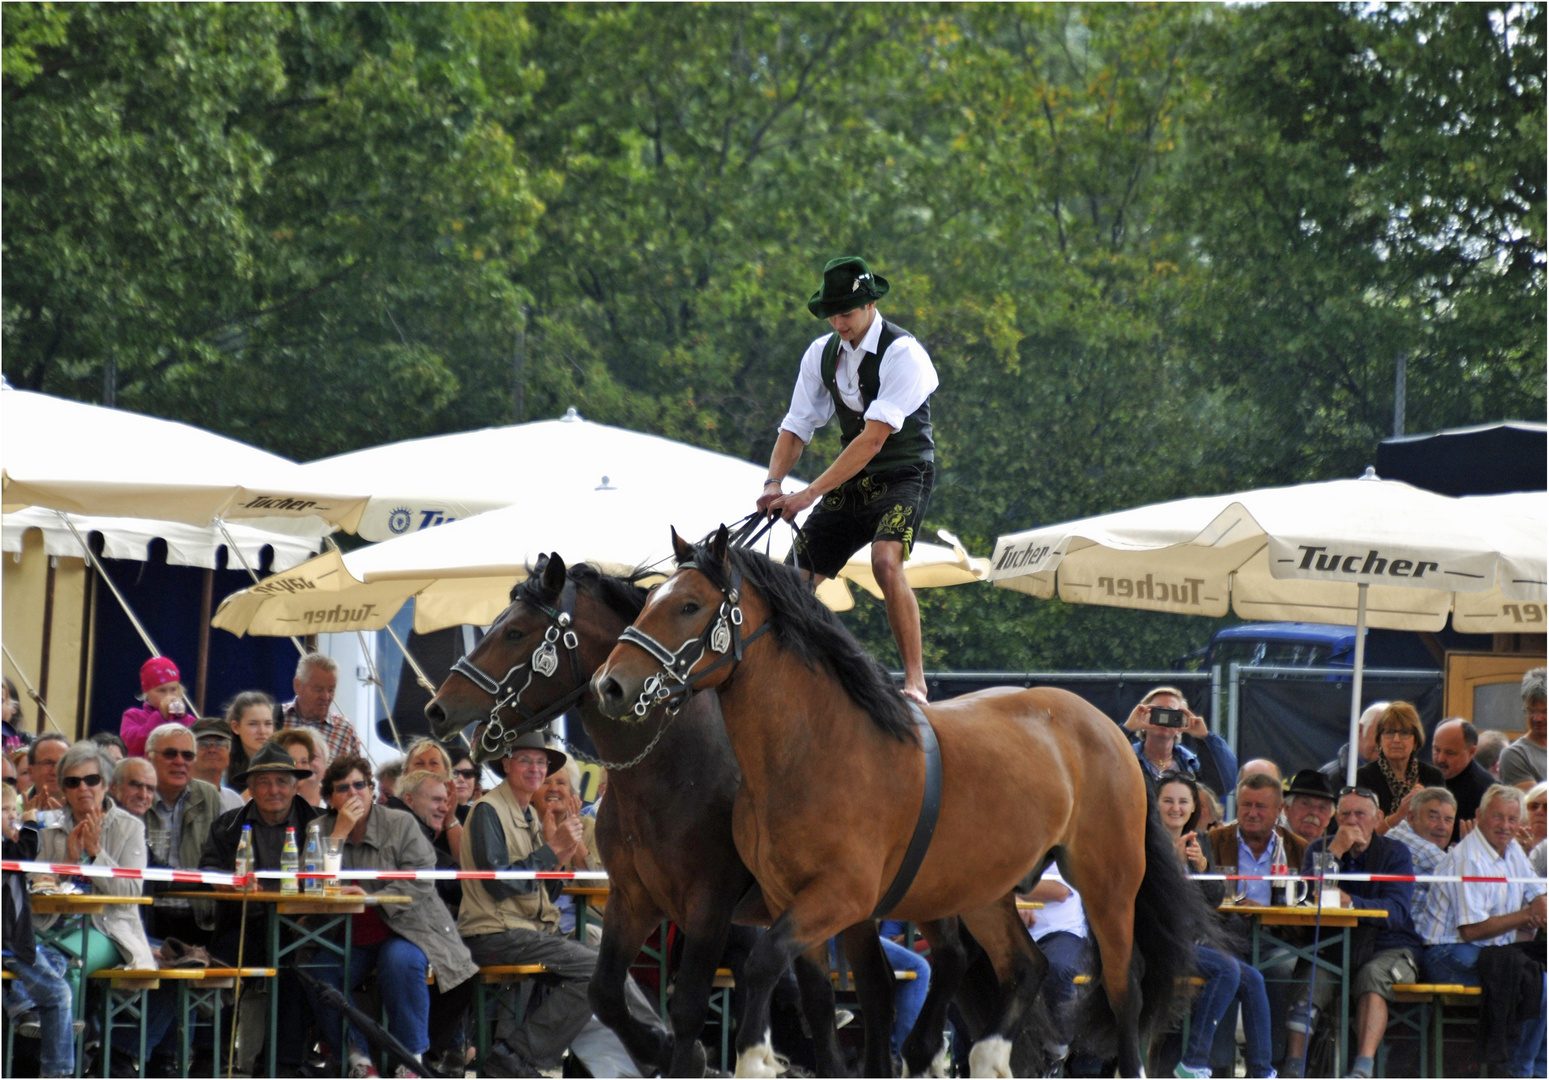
(208, 877)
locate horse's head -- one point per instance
(531, 666)
(687, 638)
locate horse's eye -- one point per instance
(690, 608)
(513, 635)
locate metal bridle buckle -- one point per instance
(545, 659)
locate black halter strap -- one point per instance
(542, 664)
(722, 634)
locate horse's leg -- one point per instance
(875, 986)
(1020, 966)
(948, 965)
(817, 1002)
(702, 949)
(626, 922)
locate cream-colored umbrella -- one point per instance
(84, 459)
(1364, 552)
(930, 566)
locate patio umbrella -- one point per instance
(418, 484)
(1365, 552)
(83, 459)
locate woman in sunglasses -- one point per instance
(397, 941)
(465, 784)
(93, 833)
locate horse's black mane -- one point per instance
(620, 595)
(807, 628)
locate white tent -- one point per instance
(1365, 552)
(89, 460)
(131, 538)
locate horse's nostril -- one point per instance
(611, 690)
(434, 713)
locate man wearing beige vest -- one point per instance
(516, 922)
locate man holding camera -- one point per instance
(1161, 720)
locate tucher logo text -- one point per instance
(283, 504)
(1369, 564)
(1147, 589)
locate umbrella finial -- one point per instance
(1370, 473)
(571, 416)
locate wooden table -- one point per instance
(1339, 920)
(77, 909)
(284, 912)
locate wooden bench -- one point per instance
(501, 983)
(1413, 1005)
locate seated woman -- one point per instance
(426, 795)
(307, 751)
(395, 941)
(94, 833)
(466, 787)
(1227, 979)
(562, 791)
(1398, 773)
(251, 718)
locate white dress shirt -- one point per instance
(1068, 914)
(1459, 903)
(906, 377)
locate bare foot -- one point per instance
(916, 696)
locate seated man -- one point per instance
(275, 807)
(1061, 932)
(177, 825)
(1463, 918)
(1258, 765)
(213, 743)
(134, 785)
(1255, 843)
(1309, 805)
(1366, 749)
(1426, 832)
(1522, 763)
(425, 795)
(1361, 850)
(1161, 749)
(516, 922)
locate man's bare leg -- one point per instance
(1371, 1024)
(903, 613)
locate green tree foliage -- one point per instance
(1155, 250)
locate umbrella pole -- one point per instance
(1355, 685)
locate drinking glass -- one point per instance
(1236, 891)
(159, 841)
(333, 862)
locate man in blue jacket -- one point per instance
(1397, 948)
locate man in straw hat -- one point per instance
(879, 380)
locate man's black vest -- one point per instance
(909, 445)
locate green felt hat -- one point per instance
(848, 283)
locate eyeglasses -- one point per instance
(1396, 733)
(206, 741)
(357, 785)
(170, 754)
(1365, 793)
(466, 774)
(72, 782)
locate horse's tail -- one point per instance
(1171, 919)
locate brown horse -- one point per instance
(664, 831)
(833, 781)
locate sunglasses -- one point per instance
(1365, 793)
(466, 774)
(70, 783)
(10, 781)
(358, 785)
(170, 754)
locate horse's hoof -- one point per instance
(759, 1060)
(990, 1058)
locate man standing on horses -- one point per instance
(879, 379)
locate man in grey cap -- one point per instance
(516, 922)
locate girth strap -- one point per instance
(925, 827)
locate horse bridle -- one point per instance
(721, 635)
(543, 664)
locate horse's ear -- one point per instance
(553, 575)
(682, 550)
(719, 544)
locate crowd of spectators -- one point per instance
(164, 792)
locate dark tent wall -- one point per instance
(168, 601)
(1487, 460)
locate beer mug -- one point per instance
(1296, 890)
(1323, 864)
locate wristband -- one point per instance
(771, 480)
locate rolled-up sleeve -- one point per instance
(489, 851)
(811, 404)
(905, 378)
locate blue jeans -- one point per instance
(1459, 963)
(1229, 980)
(1068, 956)
(910, 998)
(45, 984)
(400, 979)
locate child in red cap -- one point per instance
(162, 692)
